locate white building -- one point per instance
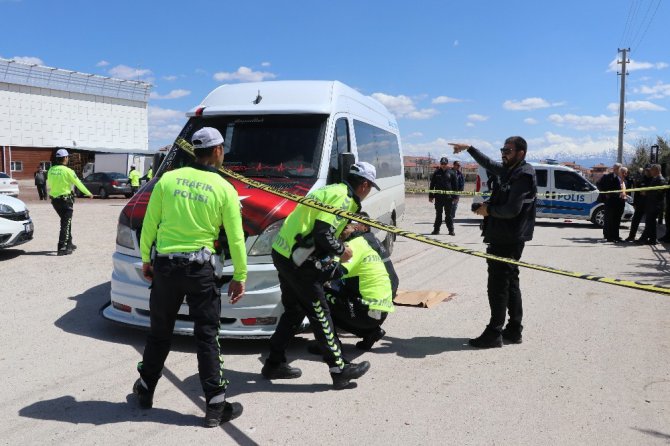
(42, 108)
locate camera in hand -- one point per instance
(475, 206)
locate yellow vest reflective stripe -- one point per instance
(185, 211)
(374, 284)
(301, 220)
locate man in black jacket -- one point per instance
(639, 199)
(510, 221)
(614, 203)
(653, 206)
(443, 179)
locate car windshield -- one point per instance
(116, 175)
(286, 146)
(3, 175)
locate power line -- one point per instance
(627, 25)
(644, 33)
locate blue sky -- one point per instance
(467, 71)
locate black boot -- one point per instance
(350, 371)
(280, 371)
(144, 396)
(369, 340)
(490, 338)
(512, 333)
(219, 413)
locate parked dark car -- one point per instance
(105, 184)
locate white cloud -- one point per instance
(469, 124)
(528, 104)
(446, 100)
(170, 78)
(567, 148)
(644, 129)
(413, 135)
(660, 90)
(265, 64)
(243, 74)
(634, 65)
(130, 73)
(636, 106)
(102, 63)
(174, 94)
(478, 118)
(586, 122)
(164, 123)
(440, 147)
(404, 107)
(28, 60)
(456, 43)
(530, 121)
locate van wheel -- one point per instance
(103, 193)
(598, 217)
(390, 239)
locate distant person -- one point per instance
(150, 173)
(614, 203)
(134, 177)
(510, 215)
(60, 180)
(654, 201)
(443, 179)
(639, 199)
(41, 182)
(666, 193)
(460, 181)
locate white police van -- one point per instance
(295, 136)
(562, 193)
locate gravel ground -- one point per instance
(593, 367)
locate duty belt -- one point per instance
(201, 256)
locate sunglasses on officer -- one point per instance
(506, 150)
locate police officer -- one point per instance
(460, 181)
(510, 215)
(443, 179)
(60, 179)
(150, 173)
(186, 211)
(653, 206)
(639, 199)
(134, 177)
(362, 297)
(307, 240)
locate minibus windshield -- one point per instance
(283, 146)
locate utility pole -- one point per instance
(622, 97)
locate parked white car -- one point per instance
(8, 185)
(16, 227)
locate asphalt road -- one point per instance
(593, 367)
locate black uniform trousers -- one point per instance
(503, 285)
(174, 279)
(443, 205)
(635, 222)
(64, 207)
(302, 295)
(649, 233)
(351, 315)
(42, 191)
(613, 212)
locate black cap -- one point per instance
(444, 160)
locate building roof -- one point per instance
(13, 72)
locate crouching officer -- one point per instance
(362, 298)
(187, 208)
(306, 241)
(60, 180)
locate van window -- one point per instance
(266, 145)
(340, 145)
(379, 148)
(571, 181)
(541, 175)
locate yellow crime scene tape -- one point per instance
(186, 146)
(546, 194)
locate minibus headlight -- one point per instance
(124, 236)
(263, 244)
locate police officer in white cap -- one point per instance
(60, 180)
(306, 243)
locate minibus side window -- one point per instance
(340, 145)
(379, 148)
(541, 175)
